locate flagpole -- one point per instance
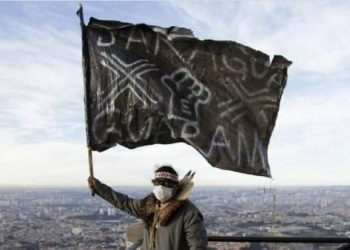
(86, 71)
(91, 168)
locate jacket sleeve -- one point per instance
(195, 232)
(119, 200)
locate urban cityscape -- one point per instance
(70, 218)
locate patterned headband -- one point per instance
(166, 175)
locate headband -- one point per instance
(165, 175)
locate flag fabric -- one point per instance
(151, 85)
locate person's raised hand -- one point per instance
(91, 182)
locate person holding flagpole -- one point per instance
(171, 220)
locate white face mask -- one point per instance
(162, 193)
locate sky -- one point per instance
(42, 124)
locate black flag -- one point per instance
(147, 84)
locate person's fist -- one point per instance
(91, 182)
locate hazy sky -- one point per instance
(42, 129)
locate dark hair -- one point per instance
(167, 168)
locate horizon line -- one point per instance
(273, 186)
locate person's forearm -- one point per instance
(104, 191)
(119, 200)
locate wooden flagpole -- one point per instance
(91, 168)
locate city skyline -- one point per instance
(42, 122)
(42, 218)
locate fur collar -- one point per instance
(149, 204)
